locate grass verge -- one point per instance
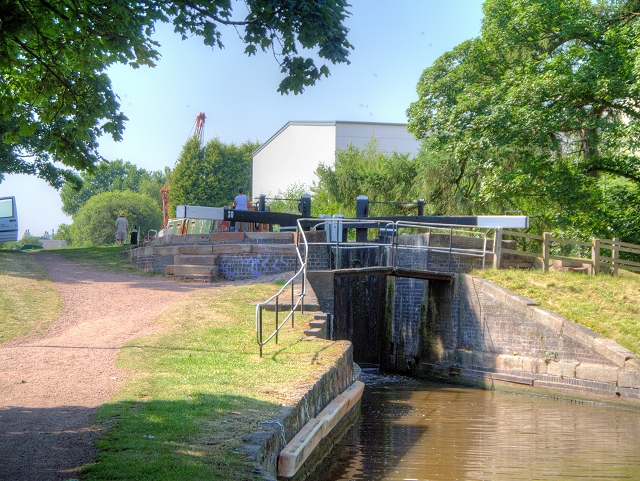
(609, 305)
(106, 258)
(29, 302)
(200, 386)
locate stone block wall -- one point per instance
(494, 336)
(265, 445)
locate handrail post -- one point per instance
(615, 253)
(450, 246)
(595, 256)
(277, 320)
(260, 331)
(497, 248)
(293, 311)
(546, 247)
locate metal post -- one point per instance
(450, 243)
(262, 203)
(362, 212)
(260, 342)
(420, 206)
(277, 320)
(497, 248)
(302, 290)
(293, 311)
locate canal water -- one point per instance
(415, 431)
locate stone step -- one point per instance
(192, 271)
(558, 263)
(197, 260)
(579, 270)
(313, 333)
(317, 324)
(320, 316)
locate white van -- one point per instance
(8, 219)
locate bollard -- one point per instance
(262, 203)
(362, 212)
(421, 207)
(362, 206)
(304, 206)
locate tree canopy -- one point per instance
(57, 99)
(112, 177)
(541, 111)
(94, 223)
(381, 176)
(210, 175)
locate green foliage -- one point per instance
(293, 192)
(94, 223)
(210, 175)
(368, 171)
(116, 176)
(538, 113)
(57, 99)
(64, 232)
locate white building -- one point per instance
(293, 154)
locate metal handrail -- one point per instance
(394, 245)
(299, 302)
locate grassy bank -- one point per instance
(29, 302)
(108, 258)
(609, 305)
(200, 386)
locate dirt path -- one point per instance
(51, 385)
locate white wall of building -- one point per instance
(390, 137)
(293, 154)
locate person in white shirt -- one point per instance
(240, 203)
(122, 226)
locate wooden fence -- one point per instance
(596, 261)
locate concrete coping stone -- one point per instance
(548, 318)
(580, 333)
(612, 351)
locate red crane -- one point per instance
(199, 133)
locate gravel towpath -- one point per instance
(52, 384)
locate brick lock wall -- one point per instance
(491, 325)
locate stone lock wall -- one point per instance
(264, 445)
(475, 330)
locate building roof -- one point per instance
(328, 123)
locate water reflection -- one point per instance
(417, 431)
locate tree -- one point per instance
(94, 223)
(112, 177)
(287, 200)
(57, 100)
(542, 109)
(64, 233)
(380, 176)
(211, 175)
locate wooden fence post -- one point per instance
(497, 248)
(615, 253)
(595, 256)
(546, 248)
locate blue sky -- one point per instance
(394, 42)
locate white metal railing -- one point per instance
(394, 246)
(301, 276)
